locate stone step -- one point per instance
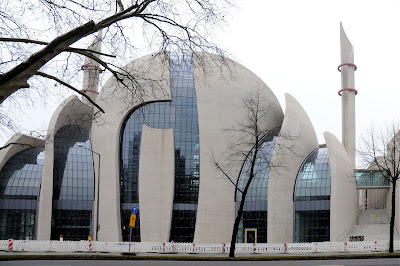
(372, 225)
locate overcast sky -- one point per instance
(294, 47)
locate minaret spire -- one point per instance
(91, 69)
(348, 93)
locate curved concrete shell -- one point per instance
(156, 179)
(296, 141)
(344, 196)
(118, 102)
(219, 104)
(72, 111)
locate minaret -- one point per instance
(91, 70)
(348, 93)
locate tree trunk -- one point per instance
(236, 227)
(393, 215)
(240, 211)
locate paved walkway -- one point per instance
(322, 254)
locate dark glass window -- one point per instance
(19, 189)
(312, 198)
(256, 204)
(181, 115)
(73, 188)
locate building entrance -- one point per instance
(250, 235)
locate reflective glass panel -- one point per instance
(371, 178)
(181, 115)
(19, 189)
(312, 198)
(255, 208)
(73, 187)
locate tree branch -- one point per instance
(70, 87)
(16, 143)
(69, 49)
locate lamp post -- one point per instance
(97, 192)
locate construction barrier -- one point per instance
(10, 244)
(201, 248)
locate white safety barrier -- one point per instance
(212, 248)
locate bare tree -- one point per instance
(380, 150)
(253, 143)
(36, 38)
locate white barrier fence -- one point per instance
(213, 248)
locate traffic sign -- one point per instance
(132, 220)
(134, 210)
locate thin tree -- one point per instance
(380, 150)
(250, 149)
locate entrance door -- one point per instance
(250, 235)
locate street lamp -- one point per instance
(97, 192)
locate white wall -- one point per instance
(219, 102)
(156, 184)
(344, 194)
(70, 112)
(118, 102)
(296, 141)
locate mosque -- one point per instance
(150, 149)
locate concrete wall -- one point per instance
(156, 179)
(296, 141)
(118, 102)
(219, 102)
(70, 112)
(344, 195)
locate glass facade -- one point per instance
(255, 208)
(73, 184)
(19, 189)
(312, 198)
(370, 178)
(181, 115)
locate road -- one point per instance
(352, 262)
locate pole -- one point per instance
(97, 192)
(130, 237)
(98, 200)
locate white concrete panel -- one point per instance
(118, 102)
(296, 141)
(344, 194)
(70, 112)
(156, 184)
(219, 102)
